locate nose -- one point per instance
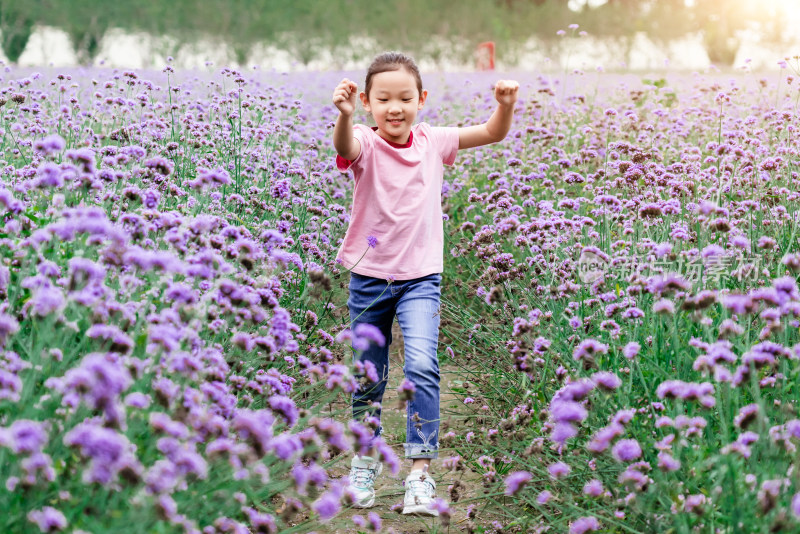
(395, 107)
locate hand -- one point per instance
(344, 97)
(505, 91)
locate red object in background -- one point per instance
(484, 56)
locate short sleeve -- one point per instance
(364, 140)
(447, 142)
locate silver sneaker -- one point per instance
(363, 472)
(420, 492)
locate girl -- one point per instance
(398, 171)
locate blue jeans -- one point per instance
(416, 305)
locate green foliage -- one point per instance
(16, 25)
(425, 28)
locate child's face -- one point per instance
(393, 102)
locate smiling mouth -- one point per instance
(395, 121)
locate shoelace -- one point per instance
(421, 488)
(362, 477)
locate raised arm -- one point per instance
(344, 98)
(496, 128)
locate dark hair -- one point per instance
(390, 61)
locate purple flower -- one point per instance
(167, 507)
(24, 436)
(740, 241)
(255, 427)
(664, 307)
(48, 519)
(284, 406)
(10, 385)
(160, 165)
(149, 260)
(567, 411)
(574, 391)
(370, 371)
(387, 455)
(118, 340)
(329, 503)
(281, 188)
(631, 350)
(374, 521)
(593, 488)
(406, 390)
(667, 462)
(261, 522)
(544, 497)
(662, 249)
(50, 145)
(796, 505)
(668, 284)
(109, 452)
(46, 300)
(370, 333)
(137, 400)
(441, 506)
(558, 470)
(695, 503)
(84, 157)
(587, 349)
(286, 446)
(49, 175)
(364, 437)
(562, 432)
(634, 478)
(633, 313)
(626, 450)
(601, 439)
(38, 464)
(739, 304)
(746, 416)
(161, 423)
(582, 525)
(99, 380)
(712, 250)
(8, 326)
(210, 177)
(685, 390)
(372, 241)
(606, 380)
(515, 481)
(150, 198)
(623, 417)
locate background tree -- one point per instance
(16, 25)
(433, 29)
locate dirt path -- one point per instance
(389, 488)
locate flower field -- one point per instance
(619, 297)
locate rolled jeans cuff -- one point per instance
(420, 450)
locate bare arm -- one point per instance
(498, 125)
(344, 98)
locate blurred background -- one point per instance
(441, 34)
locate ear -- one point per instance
(422, 99)
(364, 101)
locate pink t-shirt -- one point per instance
(397, 199)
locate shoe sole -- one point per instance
(420, 509)
(369, 504)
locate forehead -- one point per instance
(394, 81)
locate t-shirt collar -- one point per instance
(407, 144)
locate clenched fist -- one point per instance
(344, 97)
(505, 91)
